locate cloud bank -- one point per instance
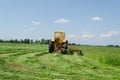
(61, 21)
(109, 34)
(98, 19)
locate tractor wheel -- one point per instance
(80, 53)
(51, 46)
(65, 46)
(64, 51)
(66, 42)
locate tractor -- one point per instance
(58, 43)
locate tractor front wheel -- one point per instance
(64, 51)
(51, 46)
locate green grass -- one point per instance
(107, 55)
(33, 62)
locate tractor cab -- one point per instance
(58, 42)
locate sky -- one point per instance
(92, 22)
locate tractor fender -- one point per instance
(65, 41)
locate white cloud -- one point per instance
(97, 18)
(88, 36)
(36, 23)
(61, 21)
(110, 34)
(29, 29)
(70, 36)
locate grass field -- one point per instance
(33, 62)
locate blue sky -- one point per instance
(94, 22)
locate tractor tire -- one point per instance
(65, 46)
(64, 51)
(80, 53)
(66, 42)
(51, 46)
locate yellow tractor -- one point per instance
(58, 43)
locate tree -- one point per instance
(31, 41)
(110, 45)
(73, 44)
(15, 41)
(26, 40)
(47, 41)
(11, 41)
(1, 41)
(116, 46)
(42, 41)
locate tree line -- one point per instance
(113, 45)
(28, 41)
(41, 41)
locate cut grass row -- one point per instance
(32, 62)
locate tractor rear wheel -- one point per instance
(66, 42)
(65, 46)
(51, 46)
